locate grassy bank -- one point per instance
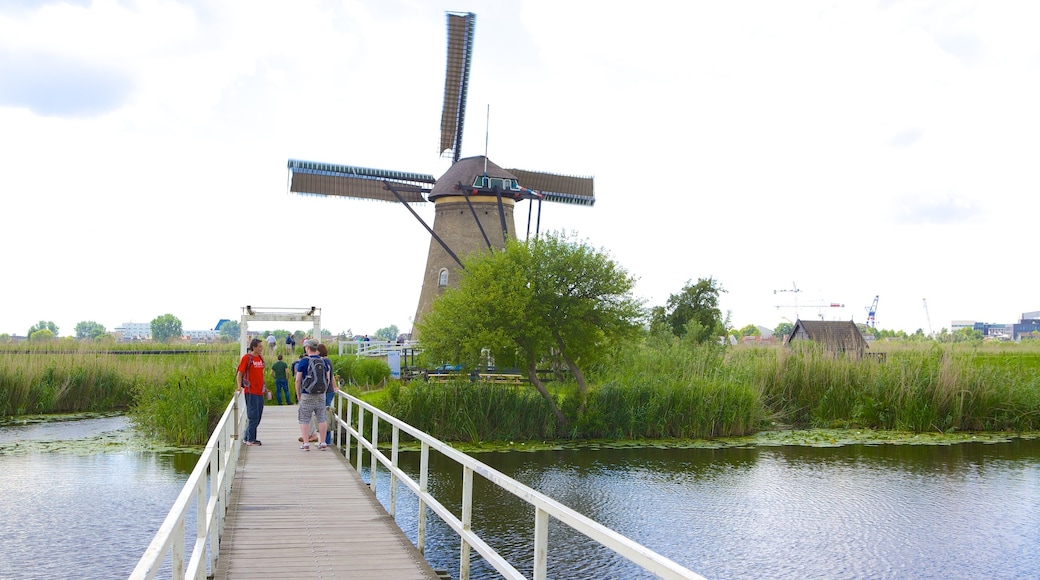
(651, 390)
(177, 395)
(672, 390)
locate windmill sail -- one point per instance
(312, 178)
(456, 81)
(558, 188)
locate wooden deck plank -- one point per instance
(308, 514)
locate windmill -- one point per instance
(473, 200)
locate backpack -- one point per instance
(316, 380)
(245, 375)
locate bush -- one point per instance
(370, 371)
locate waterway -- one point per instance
(968, 510)
(82, 499)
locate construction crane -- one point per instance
(794, 289)
(927, 316)
(871, 311)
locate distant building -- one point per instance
(202, 335)
(835, 336)
(131, 331)
(1026, 326)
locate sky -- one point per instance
(845, 149)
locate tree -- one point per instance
(750, 330)
(41, 335)
(550, 297)
(388, 333)
(42, 325)
(231, 329)
(88, 329)
(166, 328)
(693, 312)
(783, 329)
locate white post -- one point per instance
(243, 334)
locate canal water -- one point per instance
(82, 499)
(968, 510)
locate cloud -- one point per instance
(61, 86)
(936, 210)
(907, 137)
(12, 6)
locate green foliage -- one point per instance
(666, 388)
(43, 325)
(166, 328)
(388, 333)
(41, 335)
(369, 371)
(749, 330)
(693, 312)
(183, 409)
(783, 329)
(360, 371)
(546, 298)
(916, 389)
(472, 412)
(343, 367)
(231, 329)
(75, 376)
(88, 329)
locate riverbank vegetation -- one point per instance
(656, 387)
(172, 393)
(665, 388)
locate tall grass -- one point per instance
(472, 412)
(653, 389)
(175, 397)
(931, 388)
(671, 389)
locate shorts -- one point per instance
(311, 404)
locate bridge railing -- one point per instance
(207, 492)
(351, 415)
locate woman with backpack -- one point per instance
(330, 395)
(313, 381)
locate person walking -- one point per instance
(290, 343)
(330, 395)
(313, 380)
(281, 381)
(271, 341)
(250, 380)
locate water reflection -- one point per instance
(858, 511)
(77, 504)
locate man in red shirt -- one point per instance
(250, 380)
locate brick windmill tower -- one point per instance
(473, 201)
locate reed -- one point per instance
(472, 412)
(174, 397)
(670, 390)
(930, 388)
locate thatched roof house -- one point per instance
(834, 336)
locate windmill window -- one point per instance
(502, 183)
(442, 279)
